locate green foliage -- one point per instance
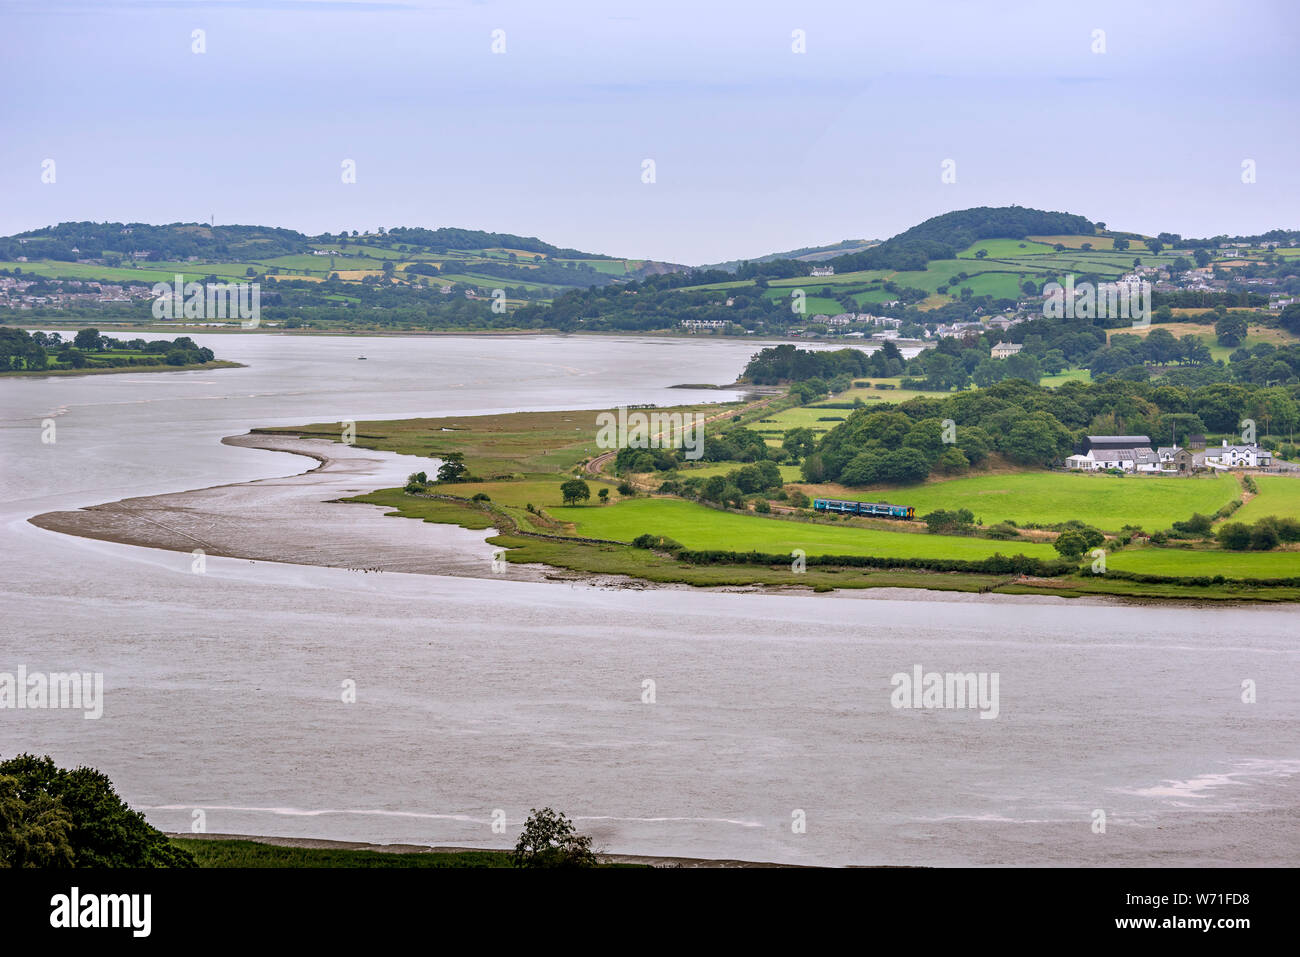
(47, 801)
(1235, 536)
(1198, 526)
(549, 840)
(574, 491)
(942, 521)
(453, 468)
(34, 831)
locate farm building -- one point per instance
(1238, 456)
(1175, 459)
(1131, 453)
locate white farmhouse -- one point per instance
(1239, 456)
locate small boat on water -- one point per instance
(360, 357)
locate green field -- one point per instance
(699, 527)
(1278, 495)
(238, 853)
(1106, 501)
(1005, 248)
(1188, 563)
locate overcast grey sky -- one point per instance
(757, 148)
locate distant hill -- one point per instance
(469, 256)
(806, 254)
(941, 237)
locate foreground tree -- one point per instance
(47, 812)
(549, 839)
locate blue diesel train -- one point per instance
(876, 509)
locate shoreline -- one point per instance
(316, 843)
(284, 519)
(198, 366)
(468, 333)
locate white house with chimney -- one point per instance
(1238, 456)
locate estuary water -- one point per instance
(665, 721)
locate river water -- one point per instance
(771, 735)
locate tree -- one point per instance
(942, 521)
(603, 495)
(1201, 256)
(453, 468)
(1290, 318)
(88, 340)
(574, 491)
(34, 831)
(1235, 536)
(101, 830)
(1071, 543)
(1230, 330)
(799, 443)
(549, 839)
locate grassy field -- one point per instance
(510, 444)
(1190, 563)
(1069, 375)
(235, 853)
(1278, 495)
(1005, 248)
(1045, 498)
(1097, 242)
(697, 526)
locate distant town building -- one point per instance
(1004, 350)
(823, 271)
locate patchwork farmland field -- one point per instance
(1278, 495)
(1188, 563)
(696, 526)
(1106, 501)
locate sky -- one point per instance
(1139, 115)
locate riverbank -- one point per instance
(312, 518)
(42, 373)
(249, 850)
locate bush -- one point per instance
(480, 497)
(762, 506)
(1233, 535)
(942, 521)
(550, 840)
(1198, 526)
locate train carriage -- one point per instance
(871, 509)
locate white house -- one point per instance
(823, 271)
(1004, 350)
(1239, 456)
